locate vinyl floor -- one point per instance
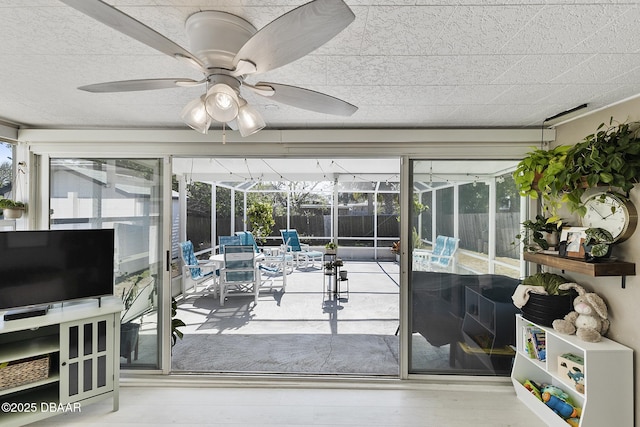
(318, 407)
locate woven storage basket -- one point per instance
(24, 371)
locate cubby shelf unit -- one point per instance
(608, 378)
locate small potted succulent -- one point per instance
(11, 209)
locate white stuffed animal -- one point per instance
(588, 320)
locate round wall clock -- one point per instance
(613, 212)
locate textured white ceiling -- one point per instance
(404, 63)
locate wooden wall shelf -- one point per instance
(594, 269)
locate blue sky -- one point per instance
(5, 152)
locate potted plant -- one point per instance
(536, 176)
(536, 173)
(11, 209)
(129, 331)
(395, 248)
(175, 323)
(331, 248)
(597, 244)
(539, 234)
(609, 157)
(543, 309)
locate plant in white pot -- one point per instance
(538, 234)
(11, 209)
(331, 248)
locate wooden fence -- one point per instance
(473, 230)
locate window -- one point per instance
(6, 170)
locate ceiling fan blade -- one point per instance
(295, 34)
(144, 84)
(306, 99)
(124, 23)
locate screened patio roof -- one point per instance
(241, 173)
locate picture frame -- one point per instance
(573, 238)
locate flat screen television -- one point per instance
(43, 267)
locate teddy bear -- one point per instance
(588, 320)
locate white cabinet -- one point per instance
(81, 341)
(86, 358)
(608, 378)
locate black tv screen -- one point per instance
(49, 266)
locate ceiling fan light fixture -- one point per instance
(226, 48)
(222, 102)
(249, 120)
(194, 114)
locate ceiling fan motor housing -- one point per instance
(215, 37)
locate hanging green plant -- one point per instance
(11, 204)
(537, 172)
(536, 176)
(609, 157)
(11, 209)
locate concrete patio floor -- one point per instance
(303, 330)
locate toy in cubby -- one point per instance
(560, 407)
(573, 367)
(533, 388)
(557, 400)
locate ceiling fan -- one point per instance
(227, 48)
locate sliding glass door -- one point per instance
(124, 195)
(463, 267)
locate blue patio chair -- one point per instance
(197, 272)
(303, 257)
(246, 238)
(227, 240)
(239, 276)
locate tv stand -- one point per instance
(26, 313)
(81, 345)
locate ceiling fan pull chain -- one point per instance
(224, 133)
